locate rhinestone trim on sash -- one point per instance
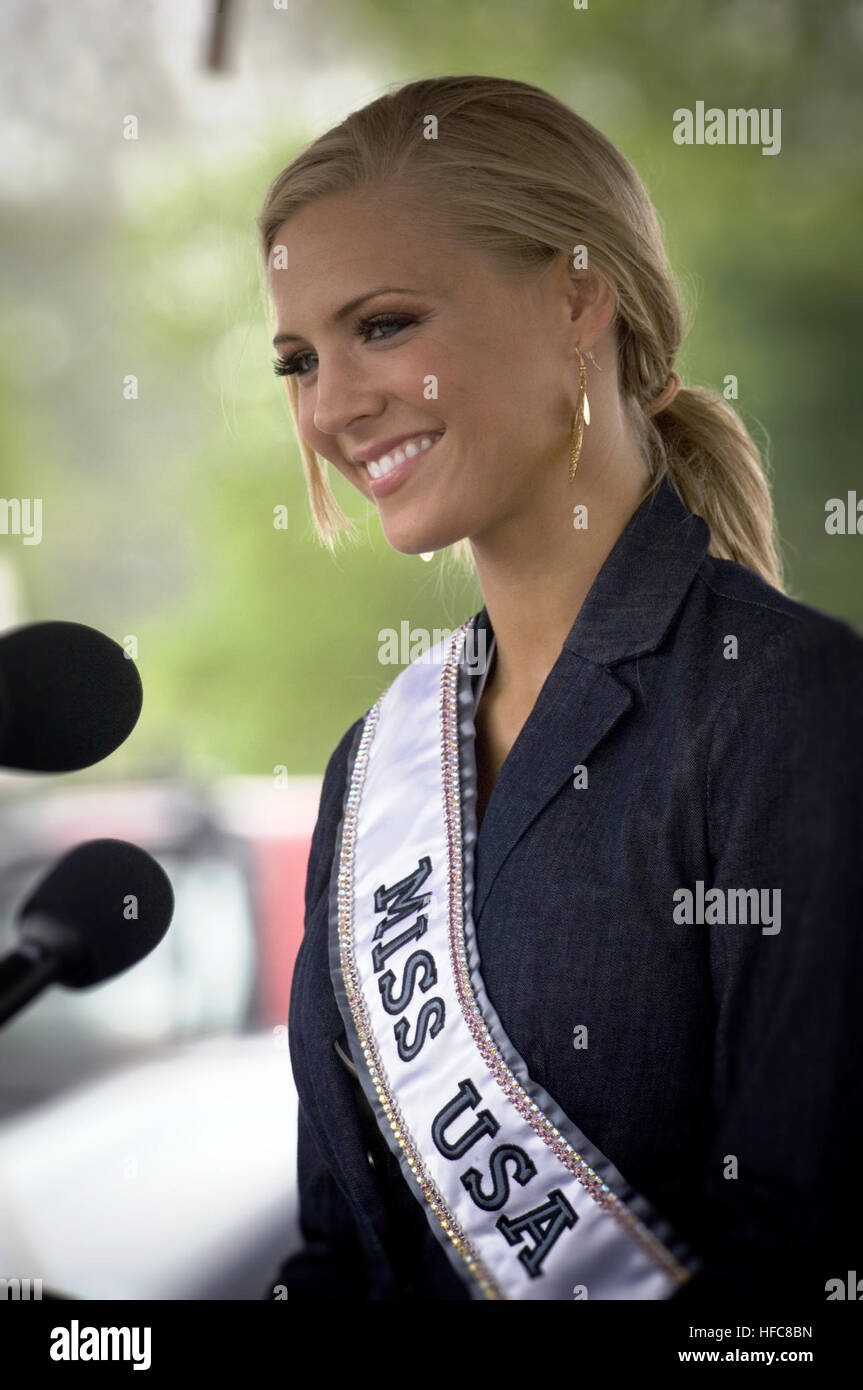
(478, 1271)
(600, 1191)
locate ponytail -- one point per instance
(702, 445)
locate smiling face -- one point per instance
(453, 369)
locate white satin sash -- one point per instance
(524, 1204)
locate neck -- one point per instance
(535, 568)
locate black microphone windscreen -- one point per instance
(69, 696)
(107, 902)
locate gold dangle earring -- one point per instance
(581, 417)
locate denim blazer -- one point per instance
(720, 726)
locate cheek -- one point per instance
(489, 377)
(486, 397)
(420, 375)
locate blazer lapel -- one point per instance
(627, 613)
(576, 707)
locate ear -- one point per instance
(589, 301)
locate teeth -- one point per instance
(378, 468)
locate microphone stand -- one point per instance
(23, 974)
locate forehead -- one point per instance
(348, 243)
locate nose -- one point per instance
(342, 395)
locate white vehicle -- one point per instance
(171, 1179)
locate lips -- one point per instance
(376, 451)
(414, 444)
(389, 471)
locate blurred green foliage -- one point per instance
(257, 647)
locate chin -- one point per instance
(417, 545)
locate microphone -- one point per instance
(102, 908)
(69, 696)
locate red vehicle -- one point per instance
(236, 853)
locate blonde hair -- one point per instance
(522, 177)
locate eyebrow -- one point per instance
(347, 309)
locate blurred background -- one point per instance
(138, 258)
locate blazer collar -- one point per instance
(641, 584)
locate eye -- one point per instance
(364, 328)
(288, 366)
(391, 321)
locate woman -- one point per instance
(576, 1012)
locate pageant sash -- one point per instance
(524, 1204)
